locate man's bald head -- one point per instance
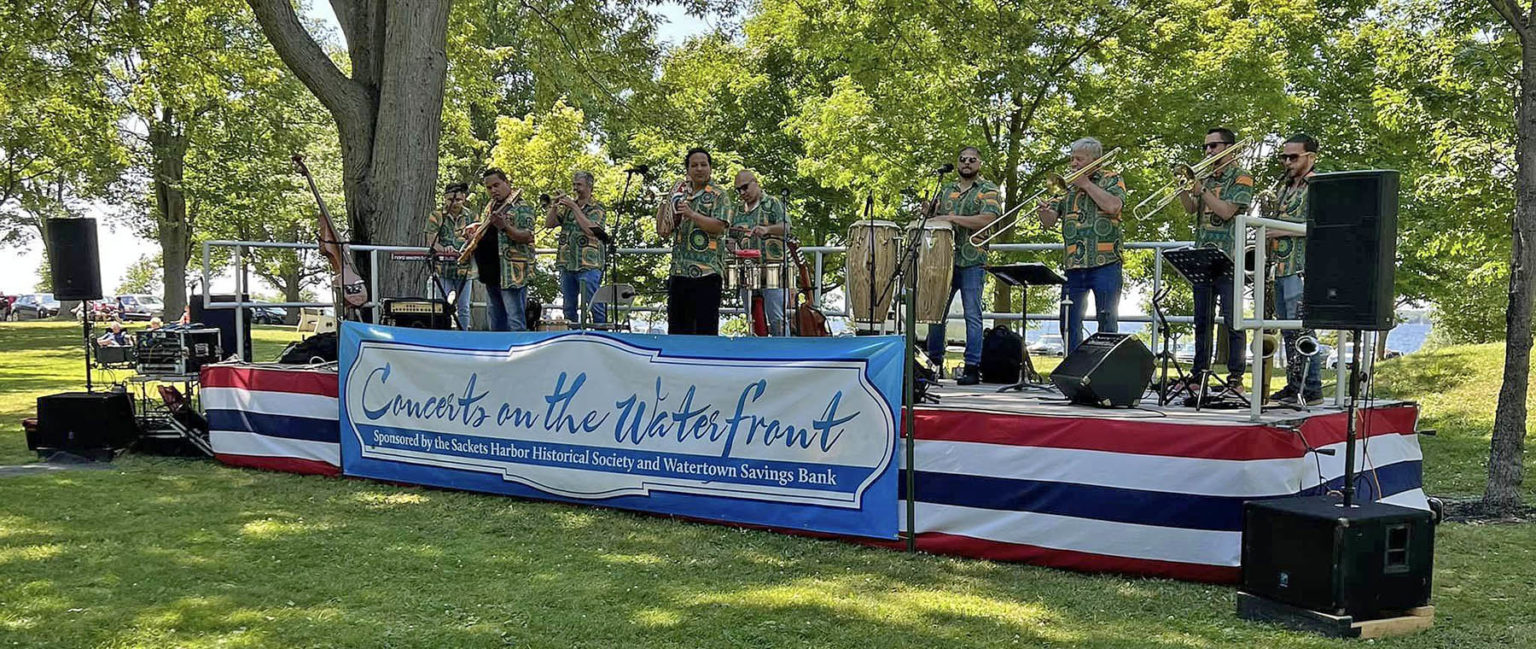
(747, 187)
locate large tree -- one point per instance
(1506, 469)
(387, 107)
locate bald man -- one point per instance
(760, 225)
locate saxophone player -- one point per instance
(1298, 154)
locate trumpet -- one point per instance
(1055, 186)
(545, 200)
(1189, 177)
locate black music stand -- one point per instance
(1025, 276)
(1199, 266)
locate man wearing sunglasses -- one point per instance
(760, 225)
(970, 203)
(581, 255)
(1218, 199)
(1298, 154)
(445, 236)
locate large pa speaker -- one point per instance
(1313, 553)
(1351, 250)
(1110, 370)
(76, 265)
(84, 423)
(223, 320)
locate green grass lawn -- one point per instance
(177, 553)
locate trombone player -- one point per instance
(1089, 212)
(1215, 200)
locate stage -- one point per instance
(1009, 477)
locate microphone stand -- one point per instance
(613, 254)
(909, 371)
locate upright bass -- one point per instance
(346, 284)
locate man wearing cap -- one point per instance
(445, 237)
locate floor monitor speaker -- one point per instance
(1110, 370)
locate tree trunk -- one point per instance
(1002, 294)
(388, 113)
(1506, 469)
(168, 150)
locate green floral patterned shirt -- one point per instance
(1289, 254)
(769, 211)
(981, 198)
(1234, 185)
(447, 230)
(695, 252)
(578, 251)
(1092, 239)
(516, 258)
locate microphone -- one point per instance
(944, 169)
(638, 169)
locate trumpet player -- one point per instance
(445, 237)
(1090, 227)
(694, 217)
(1298, 154)
(1215, 201)
(580, 255)
(970, 203)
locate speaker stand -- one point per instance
(85, 326)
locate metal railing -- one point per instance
(818, 260)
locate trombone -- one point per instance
(1189, 177)
(1055, 185)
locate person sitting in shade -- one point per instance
(116, 337)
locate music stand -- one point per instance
(1024, 276)
(1199, 266)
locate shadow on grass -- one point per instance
(166, 553)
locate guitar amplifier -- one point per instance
(176, 351)
(415, 312)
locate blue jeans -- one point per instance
(459, 288)
(1105, 282)
(504, 308)
(1207, 294)
(1288, 307)
(589, 280)
(969, 281)
(773, 308)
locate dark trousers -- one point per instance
(693, 305)
(1207, 295)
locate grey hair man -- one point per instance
(1089, 213)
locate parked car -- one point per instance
(268, 315)
(1184, 353)
(35, 306)
(138, 306)
(1047, 345)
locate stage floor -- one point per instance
(1048, 402)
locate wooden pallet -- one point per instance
(1260, 609)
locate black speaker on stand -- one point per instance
(1351, 261)
(1326, 563)
(75, 269)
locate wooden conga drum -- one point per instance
(935, 268)
(872, 250)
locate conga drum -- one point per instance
(935, 267)
(872, 250)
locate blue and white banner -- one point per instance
(792, 433)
